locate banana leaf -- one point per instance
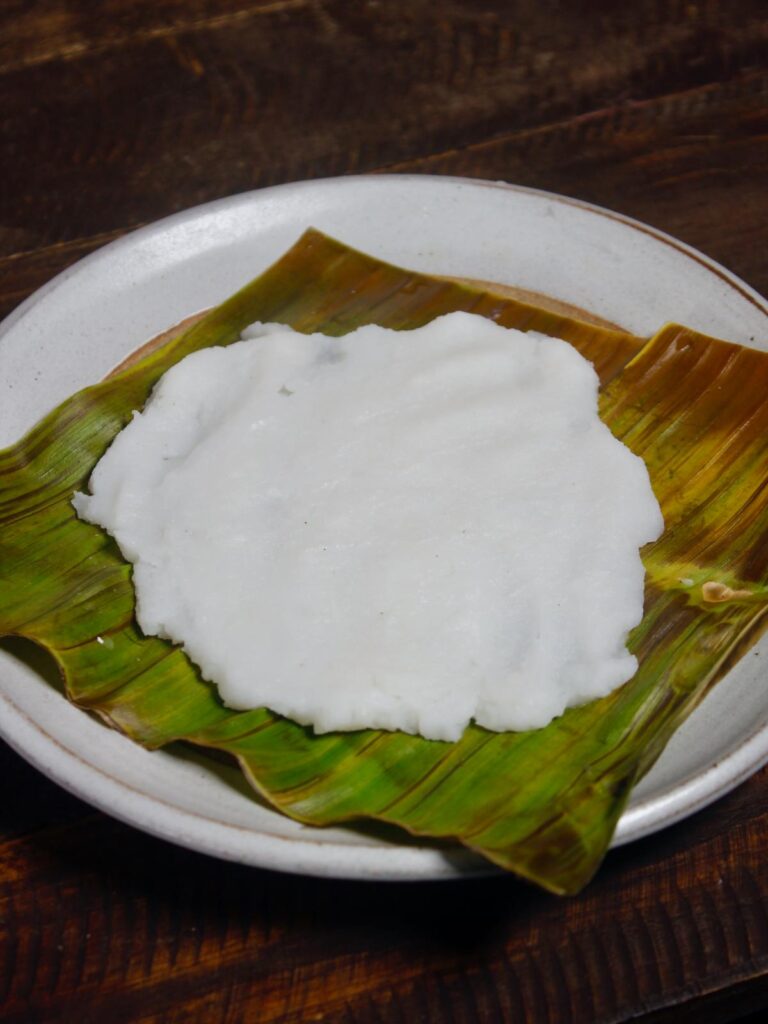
(543, 804)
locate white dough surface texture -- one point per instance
(393, 529)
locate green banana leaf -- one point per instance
(544, 803)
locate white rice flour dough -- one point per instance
(393, 529)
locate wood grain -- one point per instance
(108, 139)
(63, 31)
(117, 112)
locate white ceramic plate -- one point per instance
(73, 331)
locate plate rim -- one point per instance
(416, 863)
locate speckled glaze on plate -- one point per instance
(84, 322)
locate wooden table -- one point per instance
(118, 112)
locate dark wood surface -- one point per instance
(116, 112)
